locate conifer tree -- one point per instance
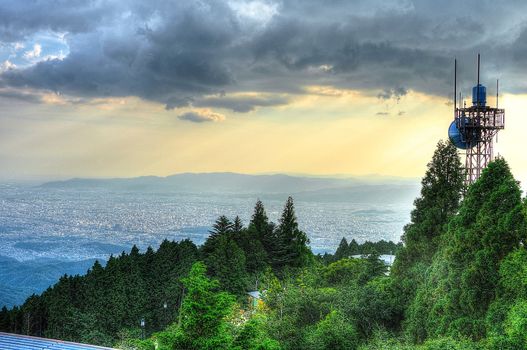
(342, 250)
(256, 240)
(222, 227)
(354, 247)
(259, 220)
(261, 229)
(237, 225)
(464, 277)
(441, 190)
(203, 324)
(291, 243)
(226, 262)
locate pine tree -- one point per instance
(261, 229)
(255, 240)
(259, 220)
(237, 225)
(226, 262)
(342, 250)
(222, 227)
(203, 324)
(441, 191)
(291, 243)
(354, 248)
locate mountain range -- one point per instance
(360, 189)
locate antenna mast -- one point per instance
(474, 127)
(455, 86)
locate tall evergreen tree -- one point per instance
(291, 243)
(342, 250)
(354, 247)
(259, 220)
(222, 227)
(256, 240)
(237, 225)
(441, 190)
(464, 277)
(261, 229)
(226, 262)
(203, 313)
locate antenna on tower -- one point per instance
(475, 127)
(497, 91)
(455, 85)
(477, 97)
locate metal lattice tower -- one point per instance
(476, 126)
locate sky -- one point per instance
(115, 88)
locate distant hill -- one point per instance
(19, 279)
(374, 189)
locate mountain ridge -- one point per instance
(225, 182)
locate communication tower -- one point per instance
(474, 128)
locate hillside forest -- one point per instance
(459, 281)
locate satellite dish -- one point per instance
(456, 137)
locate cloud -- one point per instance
(182, 53)
(34, 53)
(21, 95)
(201, 116)
(6, 65)
(396, 94)
(18, 46)
(241, 103)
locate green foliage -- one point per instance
(441, 191)
(226, 262)
(516, 324)
(342, 250)
(290, 248)
(513, 274)
(464, 278)
(223, 227)
(371, 307)
(343, 271)
(333, 332)
(203, 325)
(129, 340)
(460, 282)
(450, 344)
(94, 308)
(254, 336)
(345, 250)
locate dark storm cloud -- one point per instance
(20, 95)
(395, 93)
(181, 53)
(23, 18)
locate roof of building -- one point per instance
(9, 341)
(255, 294)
